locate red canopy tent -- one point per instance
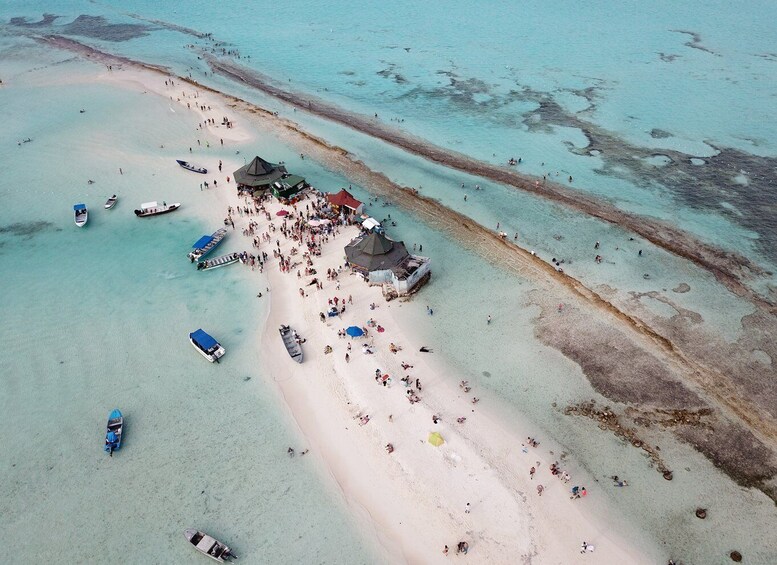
(345, 199)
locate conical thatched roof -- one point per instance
(259, 167)
(259, 173)
(376, 244)
(376, 252)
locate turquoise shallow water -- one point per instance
(526, 381)
(99, 316)
(526, 80)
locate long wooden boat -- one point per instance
(217, 262)
(111, 202)
(206, 244)
(206, 345)
(293, 346)
(80, 215)
(114, 431)
(191, 167)
(209, 546)
(155, 209)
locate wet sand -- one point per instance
(730, 268)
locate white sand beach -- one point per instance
(414, 500)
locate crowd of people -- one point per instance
(306, 241)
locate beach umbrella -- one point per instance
(282, 213)
(354, 331)
(436, 439)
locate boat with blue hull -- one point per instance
(206, 345)
(114, 431)
(206, 244)
(80, 214)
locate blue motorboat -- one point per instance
(206, 345)
(206, 244)
(114, 431)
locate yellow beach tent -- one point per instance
(436, 439)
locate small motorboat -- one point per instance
(206, 244)
(114, 431)
(111, 202)
(80, 214)
(217, 262)
(191, 167)
(209, 546)
(154, 209)
(292, 342)
(206, 345)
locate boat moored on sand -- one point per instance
(293, 342)
(206, 244)
(155, 209)
(191, 167)
(206, 345)
(209, 546)
(217, 262)
(114, 431)
(111, 202)
(80, 214)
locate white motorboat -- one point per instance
(206, 345)
(81, 215)
(209, 546)
(217, 262)
(154, 209)
(292, 342)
